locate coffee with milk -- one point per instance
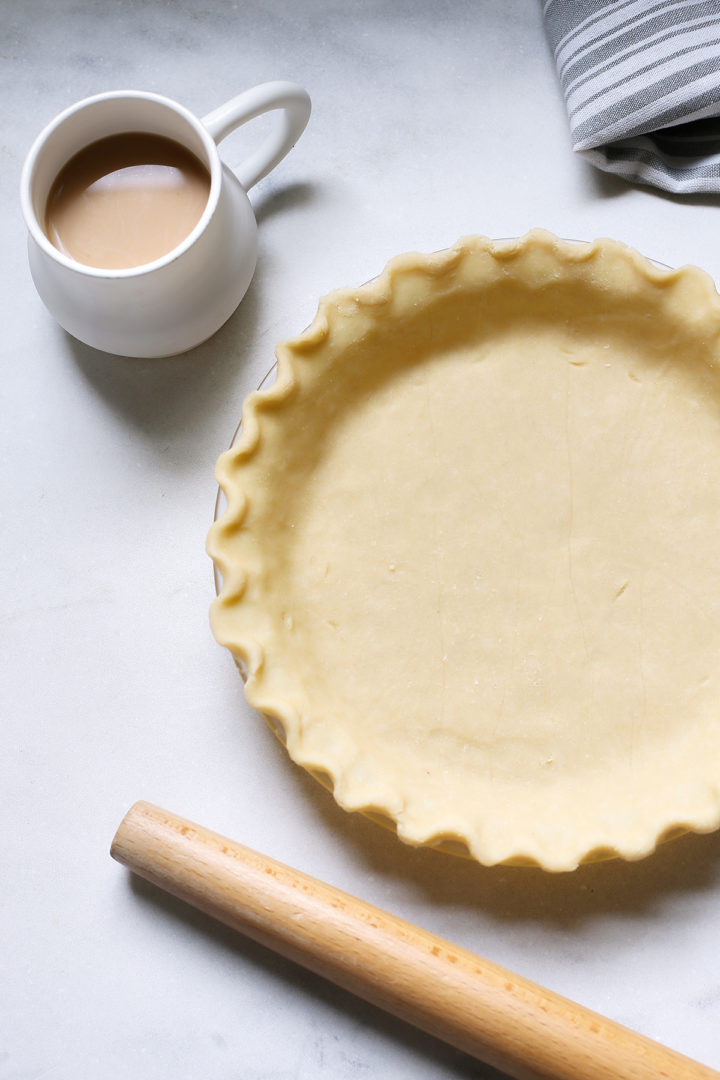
(126, 200)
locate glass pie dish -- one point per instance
(469, 555)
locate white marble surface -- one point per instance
(430, 121)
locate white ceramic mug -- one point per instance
(173, 303)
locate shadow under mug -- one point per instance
(176, 302)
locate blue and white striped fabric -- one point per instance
(641, 80)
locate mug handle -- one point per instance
(286, 96)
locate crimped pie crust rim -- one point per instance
(250, 652)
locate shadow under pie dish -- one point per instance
(470, 554)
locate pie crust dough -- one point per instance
(470, 559)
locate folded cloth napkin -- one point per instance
(641, 80)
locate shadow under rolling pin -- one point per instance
(497, 1017)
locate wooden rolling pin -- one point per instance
(499, 1018)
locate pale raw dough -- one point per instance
(471, 558)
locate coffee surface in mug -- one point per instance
(126, 200)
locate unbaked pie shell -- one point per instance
(470, 558)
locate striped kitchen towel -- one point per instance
(641, 80)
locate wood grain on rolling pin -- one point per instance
(488, 1012)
